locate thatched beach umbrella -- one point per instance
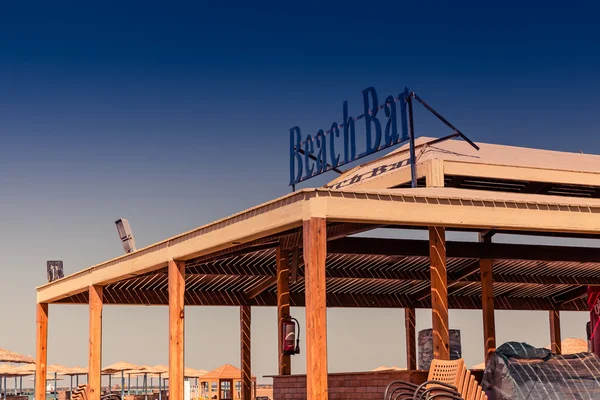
(145, 371)
(12, 371)
(74, 372)
(121, 367)
(15, 358)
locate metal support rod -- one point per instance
(444, 120)
(312, 157)
(411, 136)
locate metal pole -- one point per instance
(128, 384)
(411, 134)
(15, 385)
(77, 380)
(145, 386)
(21, 384)
(109, 383)
(159, 386)
(71, 384)
(122, 384)
(55, 384)
(5, 387)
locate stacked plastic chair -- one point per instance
(447, 380)
(80, 393)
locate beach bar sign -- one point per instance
(383, 124)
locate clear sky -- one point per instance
(174, 114)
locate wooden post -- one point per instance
(555, 339)
(439, 293)
(487, 301)
(315, 253)
(41, 353)
(95, 356)
(283, 307)
(176, 272)
(246, 381)
(411, 346)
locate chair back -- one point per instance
(449, 372)
(80, 393)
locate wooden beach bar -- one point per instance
(302, 250)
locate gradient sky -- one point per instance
(176, 115)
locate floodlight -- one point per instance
(54, 270)
(126, 235)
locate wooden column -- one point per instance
(176, 270)
(95, 356)
(41, 353)
(315, 252)
(439, 293)
(555, 339)
(246, 381)
(487, 301)
(411, 345)
(283, 307)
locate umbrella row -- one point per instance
(122, 368)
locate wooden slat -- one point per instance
(411, 345)
(176, 328)
(439, 294)
(315, 253)
(283, 307)
(95, 354)
(246, 382)
(41, 353)
(555, 336)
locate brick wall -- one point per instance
(354, 385)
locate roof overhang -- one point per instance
(447, 207)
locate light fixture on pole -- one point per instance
(126, 235)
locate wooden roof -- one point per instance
(232, 261)
(495, 167)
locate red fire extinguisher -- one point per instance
(291, 341)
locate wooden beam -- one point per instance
(261, 287)
(269, 299)
(245, 352)
(469, 273)
(572, 294)
(474, 250)
(487, 299)
(283, 307)
(41, 353)
(439, 294)
(315, 253)
(555, 339)
(95, 354)
(411, 344)
(176, 328)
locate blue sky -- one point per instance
(176, 114)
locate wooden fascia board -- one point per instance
(253, 224)
(429, 210)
